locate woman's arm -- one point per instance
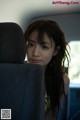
(66, 83)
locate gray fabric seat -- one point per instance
(21, 85)
(12, 43)
(21, 90)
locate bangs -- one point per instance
(50, 29)
(41, 32)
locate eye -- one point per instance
(29, 44)
(45, 47)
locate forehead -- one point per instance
(40, 38)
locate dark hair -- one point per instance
(54, 72)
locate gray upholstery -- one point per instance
(74, 104)
(21, 85)
(22, 91)
(12, 43)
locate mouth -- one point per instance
(35, 61)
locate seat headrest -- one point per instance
(12, 43)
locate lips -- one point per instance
(35, 61)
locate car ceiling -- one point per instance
(25, 11)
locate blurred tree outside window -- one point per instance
(74, 68)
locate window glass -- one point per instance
(74, 68)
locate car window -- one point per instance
(74, 68)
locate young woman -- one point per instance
(46, 46)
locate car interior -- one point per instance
(21, 14)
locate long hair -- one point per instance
(54, 72)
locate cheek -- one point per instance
(48, 57)
(29, 52)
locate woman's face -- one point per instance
(40, 53)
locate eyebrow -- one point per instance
(42, 42)
(29, 40)
(46, 43)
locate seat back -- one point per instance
(21, 85)
(22, 91)
(74, 104)
(12, 43)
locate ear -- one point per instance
(56, 51)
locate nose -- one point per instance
(36, 51)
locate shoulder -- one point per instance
(66, 82)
